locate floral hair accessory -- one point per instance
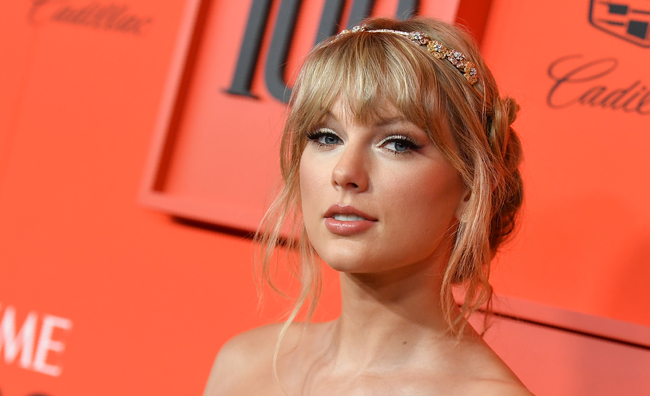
(436, 48)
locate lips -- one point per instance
(347, 220)
(347, 217)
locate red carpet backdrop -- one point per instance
(138, 148)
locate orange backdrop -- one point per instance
(123, 299)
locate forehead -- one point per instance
(383, 112)
(371, 77)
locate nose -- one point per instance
(350, 172)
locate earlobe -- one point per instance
(462, 205)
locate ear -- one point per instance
(462, 204)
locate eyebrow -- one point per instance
(381, 122)
(391, 121)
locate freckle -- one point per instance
(404, 343)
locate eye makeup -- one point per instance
(324, 137)
(400, 144)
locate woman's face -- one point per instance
(377, 197)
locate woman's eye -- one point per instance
(399, 144)
(324, 137)
(329, 139)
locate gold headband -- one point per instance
(436, 48)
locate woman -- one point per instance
(401, 172)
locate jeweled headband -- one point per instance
(436, 48)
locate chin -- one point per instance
(360, 265)
(352, 263)
(341, 264)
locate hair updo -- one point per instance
(469, 124)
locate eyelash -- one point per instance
(411, 145)
(316, 136)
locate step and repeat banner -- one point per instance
(139, 144)
(579, 71)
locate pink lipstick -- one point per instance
(347, 220)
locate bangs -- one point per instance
(367, 71)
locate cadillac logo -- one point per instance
(628, 20)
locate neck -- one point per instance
(386, 318)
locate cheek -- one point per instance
(312, 182)
(425, 204)
(306, 183)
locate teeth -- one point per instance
(348, 217)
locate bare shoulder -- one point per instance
(247, 355)
(508, 387)
(490, 375)
(245, 362)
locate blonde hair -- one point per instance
(470, 125)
